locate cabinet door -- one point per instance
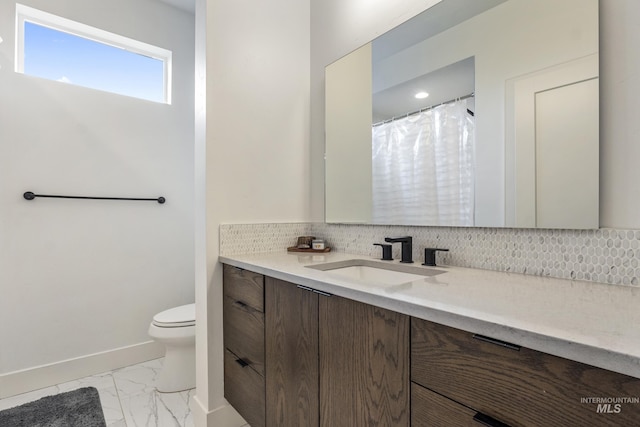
(244, 389)
(244, 333)
(429, 409)
(291, 339)
(244, 286)
(517, 385)
(364, 365)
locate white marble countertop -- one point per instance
(593, 323)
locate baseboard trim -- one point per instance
(39, 377)
(223, 416)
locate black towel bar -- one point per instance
(30, 196)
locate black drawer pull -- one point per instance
(306, 288)
(497, 342)
(488, 421)
(242, 363)
(324, 294)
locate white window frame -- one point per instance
(35, 16)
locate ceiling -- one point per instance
(453, 81)
(443, 85)
(432, 21)
(186, 5)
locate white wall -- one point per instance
(619, 107)
(256, 148)
(348, 166)
(337, 28)
(83, 277)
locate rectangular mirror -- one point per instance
(474, 113)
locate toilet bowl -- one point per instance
(176, 330)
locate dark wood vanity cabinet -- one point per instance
(291, 355)
(298, 357)
(334, 362)
(244, 358)
(364, 364)
(514, 385)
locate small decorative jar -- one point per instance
(317, 244)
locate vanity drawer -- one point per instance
(518, 386)
(244, 286)
(245, 390)
(244, 333)
(429, 409)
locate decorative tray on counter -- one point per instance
(294, 249)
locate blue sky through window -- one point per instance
(60, 56)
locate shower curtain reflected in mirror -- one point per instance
(423, 168)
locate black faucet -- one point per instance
(407, 249)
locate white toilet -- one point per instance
(176, 329)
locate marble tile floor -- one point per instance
(128, 397)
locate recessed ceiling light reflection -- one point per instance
(421, 95)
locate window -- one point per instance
(59, 49)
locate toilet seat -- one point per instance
(177, 317)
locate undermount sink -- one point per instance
(374, 275)
(375, 272)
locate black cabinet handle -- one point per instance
(306, 288)
(497, 342)
(324, 294)
(488, 421)
(242, 363)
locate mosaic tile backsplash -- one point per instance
(605, 255)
